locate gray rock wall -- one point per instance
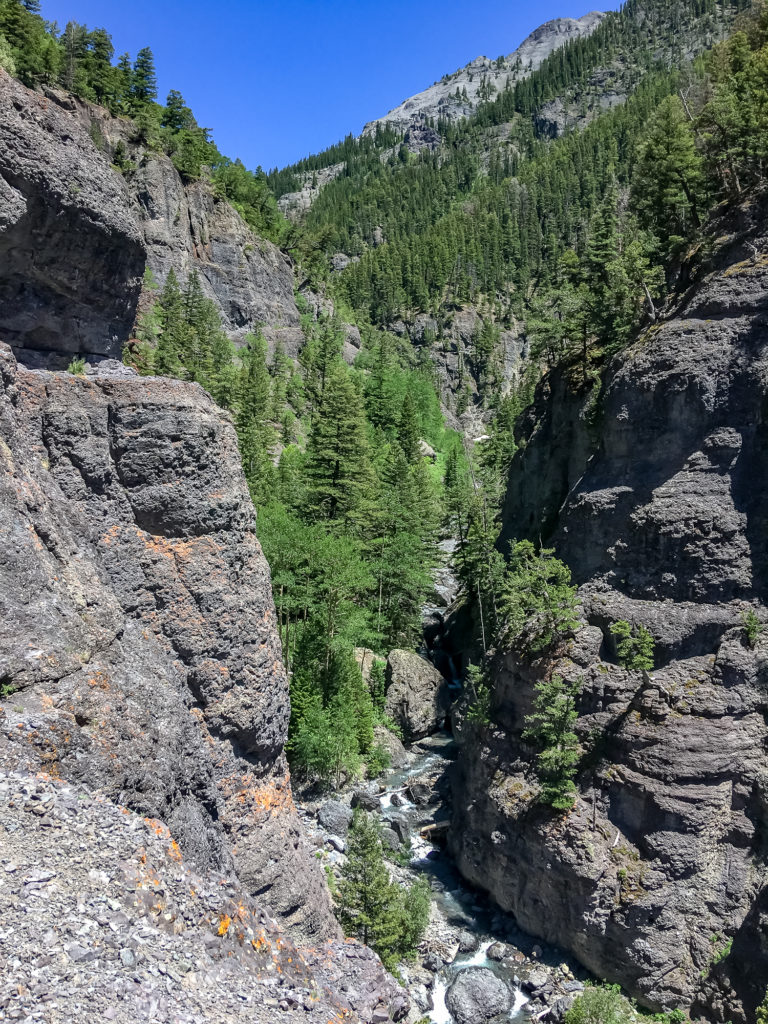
(76, 236)
(138, 649)
(71, 252)
(659, 508)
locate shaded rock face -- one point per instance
(662, 518)
(75, 237)
(71, 253)
(417, 695)
(137, 625)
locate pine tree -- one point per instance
(337, 467)
(551, 727)
(668, 189)
(538, 603)
(172, 340)
(254, 431)
(382, 914)
(364, 899)
(101, 74)
(177, 114)
(144, 78)
(408, 432)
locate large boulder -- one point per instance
(335, 817)
(477, 996)
(417, 695)
(365, 800)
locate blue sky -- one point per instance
(276, 80)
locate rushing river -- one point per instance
(461, 909)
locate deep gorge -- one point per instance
(416, 488)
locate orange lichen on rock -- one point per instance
(271, 798)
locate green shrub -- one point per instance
(601, 1004)
(634, 647)
(753, 627)
(377, 761)
(77, 367)
(762, 1011)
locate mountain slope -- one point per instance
(481, 78)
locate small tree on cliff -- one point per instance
(634, 647)
(538, 602)
(551, 727)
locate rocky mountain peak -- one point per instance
(457, 95)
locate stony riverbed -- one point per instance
(465, 932)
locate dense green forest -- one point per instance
(349, 510)
(483, 218)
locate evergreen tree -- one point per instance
(364, 898)
(176, 114)
(254, 431)
(172, 340)
(101, 74)
(408, 433)
(668, 189)
(337, 465)
(382, 914)
(551, 727)
(144, 78)
(634, 647)
(538, 603)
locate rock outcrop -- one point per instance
(138, 651)
(76, 236)
(71, 252)
(440, 100)
(188, 227)
(657, 877)
(417, 695)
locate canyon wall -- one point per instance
(656, 498)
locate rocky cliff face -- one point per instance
(76, 236)
(138, 652)
(660, 512)
(71, 251)
(186, 227)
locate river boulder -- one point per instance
(335, 817)
(417, 695)
(367, 801)
(477, 996)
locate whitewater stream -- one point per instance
(457, 908)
